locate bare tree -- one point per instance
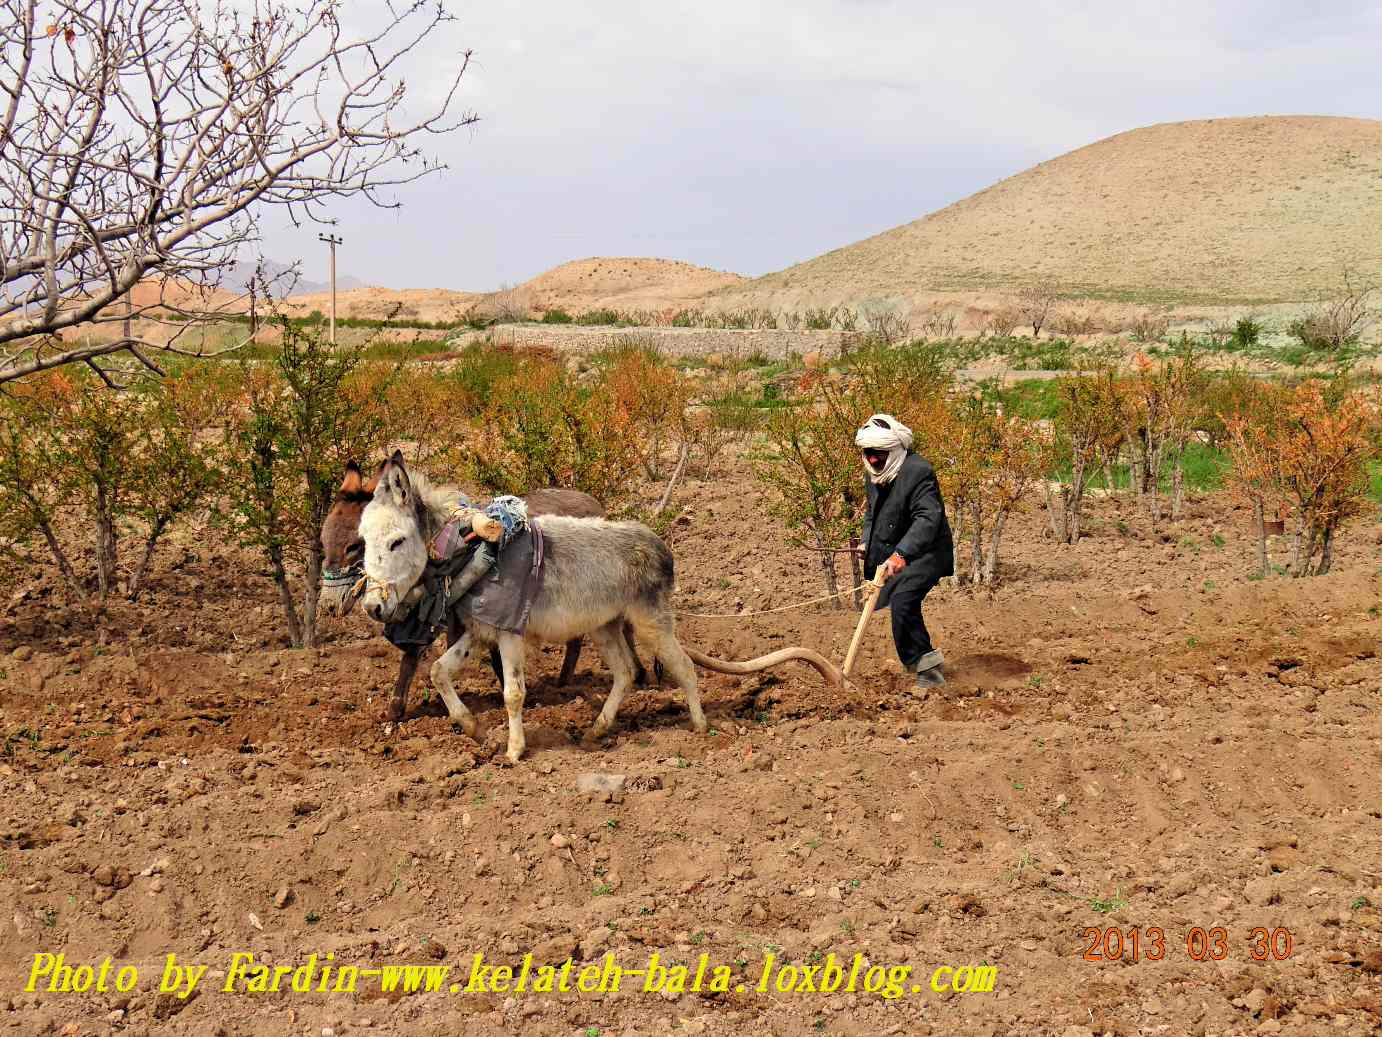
(886, 323)
(143, 138)
(1034, 304)
(1342, 320)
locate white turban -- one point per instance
(884, 432)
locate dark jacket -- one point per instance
(907, 516)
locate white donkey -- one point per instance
(596, 574)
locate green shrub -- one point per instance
(1247, 332)
(556, 316)
(600, 318)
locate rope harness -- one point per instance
(443, 544)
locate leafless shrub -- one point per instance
(1148, 326)
(1074, 320)
(888, 324)
(509, 304)
(1034, 305)
(791, 320)
(1341, 321)
(1002, 321)
(146, 138)
(938, 325)
(1219, 333)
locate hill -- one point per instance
(1218, 210)
(625, 284)
(585, 284)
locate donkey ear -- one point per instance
(395, 480)
(373, 483)
(351, 483)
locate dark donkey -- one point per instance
(344, 560)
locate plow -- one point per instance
(839, 676)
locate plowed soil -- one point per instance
(1133, 734)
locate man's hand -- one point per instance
(895, 564)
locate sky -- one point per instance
(748, 136)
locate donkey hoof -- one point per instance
(699, 725)
(514, 754)
(467, 725)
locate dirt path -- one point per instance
(1133, 736)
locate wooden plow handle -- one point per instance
(875, 588)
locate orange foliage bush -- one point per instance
(1310, 447)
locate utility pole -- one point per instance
(333, 241)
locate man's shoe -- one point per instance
(929, 673)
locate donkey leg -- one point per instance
(496, 664)
(614, 650)
(444, 671)
(568, 665)
(407, 667)
(511, 649)
(640, 675)
(678, 664)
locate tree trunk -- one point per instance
(1259, 522)
(832, 585)
(311, 593)
(1177, 490)
(1108, 475)
(146, 561)
(105, 542)
(1154, 483)
(1306, 536)
(1055, 514)
(69, 576)
(1326, 550)
(1074, 499)
(650, 462)
(856, 573)
(672, 482)
(976, 534)
(1136, 468)
(991, 563)
(285, 595)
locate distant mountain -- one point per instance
(1220, 209)
(237, 277)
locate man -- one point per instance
(907, 535)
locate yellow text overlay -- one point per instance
(321, 973)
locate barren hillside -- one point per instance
(1213, 210)
(624, 284)
(584, 284)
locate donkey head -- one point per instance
(343, 549)
(395, 544)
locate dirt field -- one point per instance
(1134, 735)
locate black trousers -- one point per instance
(903, 595)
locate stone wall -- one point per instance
(774, 343)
